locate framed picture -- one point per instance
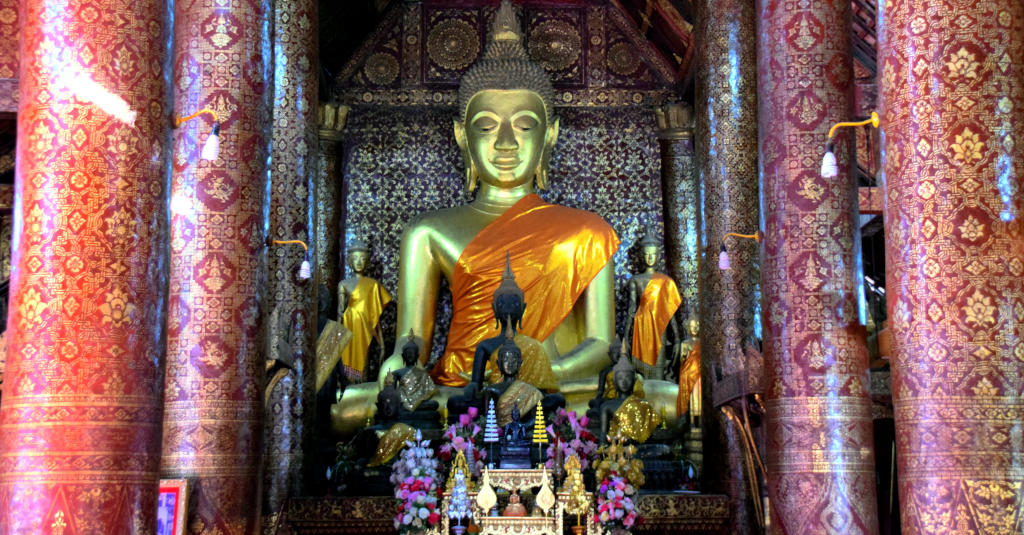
(171, 505)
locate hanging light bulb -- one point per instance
(211, 149)
(829, 167)
(723, 259)
(305, 270)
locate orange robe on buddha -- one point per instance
(556, 252)
(365, 305)
(658, 303)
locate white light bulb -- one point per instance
(723, 260)
(829, 168)
(304, 270)
(211, 149)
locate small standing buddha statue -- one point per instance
(366, 299)
(653, 301)
(627, 415)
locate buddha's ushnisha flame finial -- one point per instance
(624, 364)
(506, 65)
(650, 238)
(508, 284)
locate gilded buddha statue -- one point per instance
(561, 255)
(364, 300)
(506, 130)
(653, 299)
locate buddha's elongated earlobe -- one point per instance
(541, 174)
(469, 180)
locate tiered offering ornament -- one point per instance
(416, 488)
(491, 431)
(579, 503)
(540, 435)
(620, 476)
(458, 503)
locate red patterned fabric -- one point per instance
(819, 432)
(80, 420)
(213, 408)
(952, 90)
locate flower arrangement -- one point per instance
(571, 438)
(615, 507)
(415, 478)
(620, 476)
(464, 436)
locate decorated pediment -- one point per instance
(593, 51)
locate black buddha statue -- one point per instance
(515, 442)
(533, 368)
(415, 388)
(627, 415)
(614, 354)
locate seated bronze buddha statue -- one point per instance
(383, 440)
(508, 307)
(511, 392)
(415, 388)
(627, 415)
(605, 386)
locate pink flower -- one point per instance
(464, 420)
(473, 413)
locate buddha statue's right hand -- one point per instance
(393, 363)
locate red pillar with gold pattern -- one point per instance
(952, 94)
(291, 300)
(80, 420)
(819, 432)
(214, 386)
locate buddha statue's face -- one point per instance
(509, 362)
(650, 255)
(409, 355)
(624, 382)
(693, 327)
(505, 134)
(357, 260)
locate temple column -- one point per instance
(952, 100)
(215, 372)
(726, 137)
(80, 420)
(290, 313)
(330, 203)
(680, 201)
(819, 443)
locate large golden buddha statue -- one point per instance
(561, 256)
(506, 130)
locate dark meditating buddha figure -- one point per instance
(387, 436)
(511, 393)
(508, 307)
(415, 388)
(627, 414)
(605, 385)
